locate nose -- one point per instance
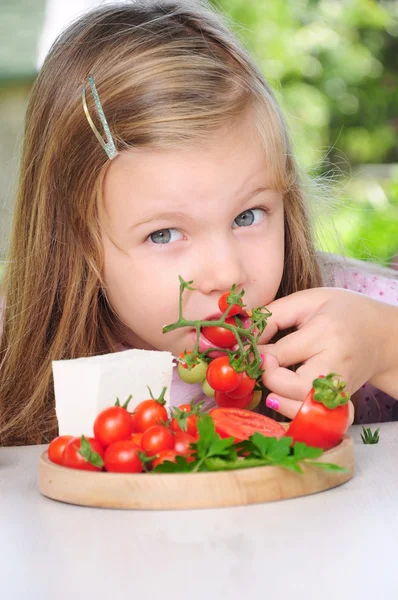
(218, 266)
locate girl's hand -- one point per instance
(338, 331)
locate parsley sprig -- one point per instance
(213, 453)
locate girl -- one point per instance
(154, 148)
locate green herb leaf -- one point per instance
(87, 453)
(329, 467)
(180, 466)
(368, 437)
(302, 451)
(210, 443)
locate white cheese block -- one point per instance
(85, 386)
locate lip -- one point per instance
(205, 344)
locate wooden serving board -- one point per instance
(192, 490)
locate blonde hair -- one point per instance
(168, 73)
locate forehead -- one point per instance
(229, 162)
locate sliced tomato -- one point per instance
(241, 424)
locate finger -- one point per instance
(295, 348)
(282, 381)
(292, 311)
(351, 413)
(289, 408)
(285, 406)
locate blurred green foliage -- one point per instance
(333, 65)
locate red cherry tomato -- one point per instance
(123, 457)
(73, 459)
(148, 413)
(219, 336)
(170, 455)
(136, 438)
(221, 376)
(317, 425)
(245, 387)
(157, 438)
(223, 306)
(57, 447)
(187, 425)
(225, 400)
(113, 425)
(182, 443)
(241, 424)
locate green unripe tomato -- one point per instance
(194, 375)
(207, 389)
(255, 400)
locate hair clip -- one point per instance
(109, 144)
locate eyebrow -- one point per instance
(170, 216)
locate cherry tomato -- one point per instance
(182, 443)
(257, 395)
(219, 336)
(137, 438)
(195, 374)
(241, 424)
(187, 425)
(170, 455)
(113, 425)
(221, 376)
(225, 400)
(157, 438)
(148, 413)
(245, 387)
(123, 457)
(207, 390)
(317, 425)
(57, 447)
(73, 459)
(223, 306)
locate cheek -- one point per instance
(143, 295)
(267, 267)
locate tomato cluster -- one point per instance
(127, 442)
(231, 387)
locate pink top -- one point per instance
(382, 284)
(369, 279)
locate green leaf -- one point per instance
(277, 448)
(329, 391)
(302, 451)
(87, 453)
(209, 442)
(368, 437)
(180, 466)
(330, 467)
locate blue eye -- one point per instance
(165, 236)
(249, 217)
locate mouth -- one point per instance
(205, 344)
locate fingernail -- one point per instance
(262, 356)
(272, 403)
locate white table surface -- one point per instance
(342, 543)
